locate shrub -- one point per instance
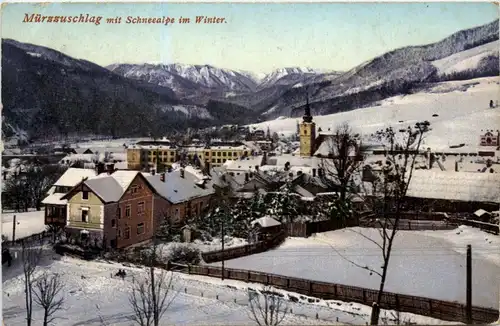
(184, 254)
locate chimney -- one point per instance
(256, 168)
(182, 173)
(246, 177)
(162, 177)
(314, 173)
(153, 171)
(100, 168)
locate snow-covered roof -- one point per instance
(265, 222)
(54, 199)
(73, 176)
(450, 185)
(295, 161)
(110, 187)
(246, 164)
(177, 189)
(328, 147)
(480, 212)
(107, 188)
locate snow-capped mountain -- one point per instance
(288, 76)
(195, 82)
(46, 93)
(395, 72)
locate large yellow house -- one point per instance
(140, 157)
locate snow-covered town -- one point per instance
(386, 211)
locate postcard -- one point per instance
(250, 163)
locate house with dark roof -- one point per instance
(114, 207)
(180, 195)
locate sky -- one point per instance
(256, 37)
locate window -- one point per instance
(113, 223)
(172, 159)
(218, 160)
(229, 153)
(140, 228)
(127, 211)
(224, 154)
(213, 160)
(223, 160)
(126, 234)
(85, 195)
(218, 153)
(140, 207)
(119, 233)
(85, 214)
(119, 212)
(133, 189)
(235, 154)
(207, 153)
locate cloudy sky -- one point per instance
(256, 37)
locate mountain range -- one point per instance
(46, 92)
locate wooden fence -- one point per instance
(493, 228)
(305, 229)
(241, 251)
(439, 309)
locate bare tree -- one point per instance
(30, 257)
(48, 288)
(388, 194)
(266, 308)
(344, 159)
(151, 296)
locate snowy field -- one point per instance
(27, 223)
(423, 263)
(94, 297)
(462, 108)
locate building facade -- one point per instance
(142, 157)
(115, 209)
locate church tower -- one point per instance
(307, 133)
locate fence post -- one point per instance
(397, 302)
(248, 276)
(364, 296)
(267, 279)
(430, 307)
(335, 290)
(287, 283)
(189, 269)
(310, 287)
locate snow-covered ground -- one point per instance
(462, 108)
(27, 223)
(429, 263)
(94, 297)
(466, 60)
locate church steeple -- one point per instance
(307, 114)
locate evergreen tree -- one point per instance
(285, 204)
